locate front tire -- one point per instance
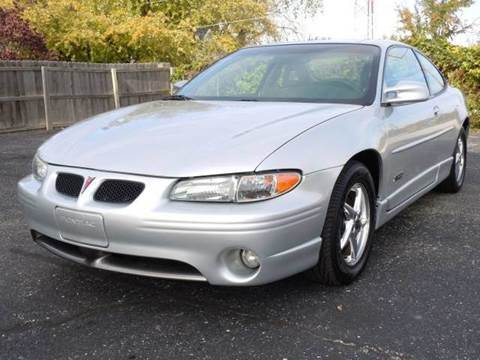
(348, 229)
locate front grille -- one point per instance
(118, 191)
(69, 184)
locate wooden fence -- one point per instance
(48, 94)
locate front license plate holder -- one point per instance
(82, 227)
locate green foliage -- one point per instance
(145, 31)
(190, 34)
(434, 19)
(465, 74)
(430, 28)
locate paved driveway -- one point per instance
(418, 298)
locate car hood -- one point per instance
(185, 138)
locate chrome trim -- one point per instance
(422, 140)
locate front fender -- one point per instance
(331, 144)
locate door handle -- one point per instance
(436, 110)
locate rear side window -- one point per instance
(434, 78)
(402, 65)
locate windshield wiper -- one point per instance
(177, 97)
(250, 99)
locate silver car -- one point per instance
(275, 160)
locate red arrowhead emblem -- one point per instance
(87, 183)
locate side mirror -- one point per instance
(405, 91)
(178, 85)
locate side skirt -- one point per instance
(384, 214)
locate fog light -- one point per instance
(249, 259)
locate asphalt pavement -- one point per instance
(419, 297)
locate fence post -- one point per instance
(116, 95)
(46, 98)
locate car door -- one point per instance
(409, 127)
(444, 124)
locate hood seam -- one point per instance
(302, 132)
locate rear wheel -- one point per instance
(454, 182)
(349, 226)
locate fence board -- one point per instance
(75, 90)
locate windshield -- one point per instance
(326, 73)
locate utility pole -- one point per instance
(371, 17)
(364, 12)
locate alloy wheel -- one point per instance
(356, 224)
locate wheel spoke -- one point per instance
(349, 211)
(356, 224)
(353, 247)
(459, 160)
(347, 234)
(358, 204)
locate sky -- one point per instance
(338, 21)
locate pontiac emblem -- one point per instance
(87, 183)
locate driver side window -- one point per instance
(402, 66)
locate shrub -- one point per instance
(461, 66)
(17, 40)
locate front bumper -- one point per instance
(284, 231)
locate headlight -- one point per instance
(39, 168)
(236, 188)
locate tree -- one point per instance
(297, 7)
(434, 19)
(17, 40)
(187, 33)
(139, 30)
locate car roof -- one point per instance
(383, 43)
